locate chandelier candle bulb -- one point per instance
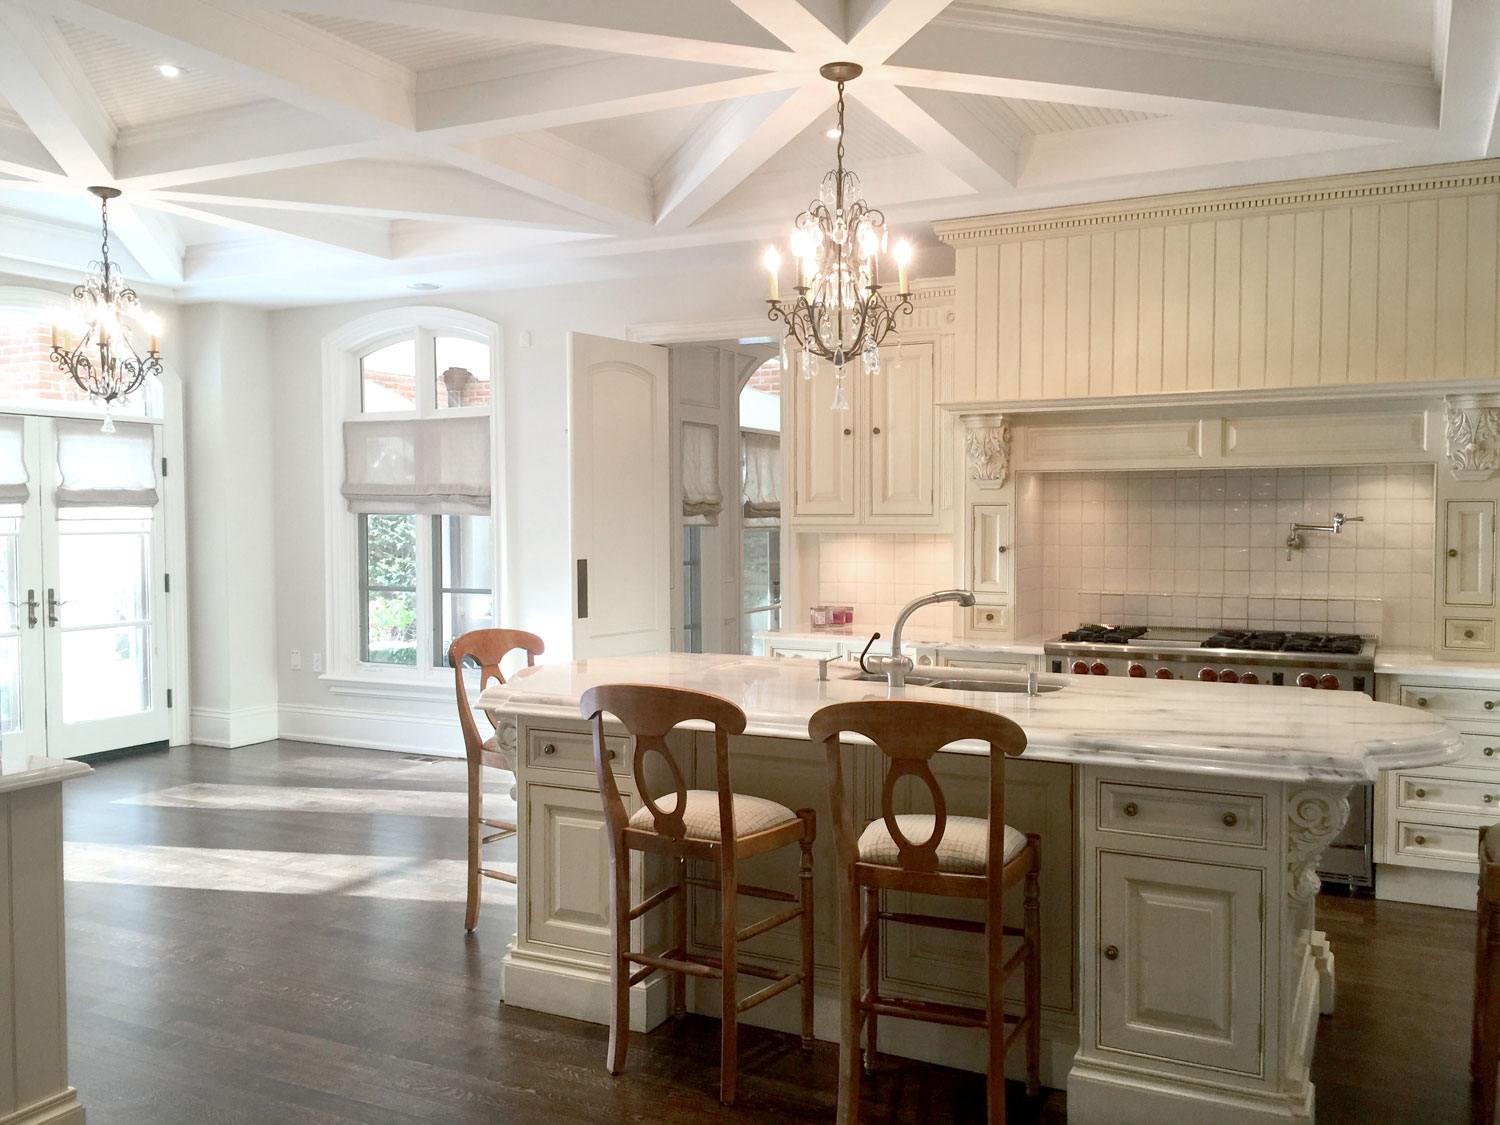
(902, 254)
(772, 262)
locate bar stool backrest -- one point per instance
(487, 648)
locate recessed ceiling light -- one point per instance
(425, 286)
(169, 70)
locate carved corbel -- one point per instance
(507, 741)
(1314, 817)
(987, 448)
(1472, 423)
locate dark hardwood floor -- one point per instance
(275, 934)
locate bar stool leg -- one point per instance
(728, 1023)
(476, 810)
(679, 934)
(619, 967)
(994, 947)
(872, 974)
(1032, 969)
(851, 968)
(806, 876)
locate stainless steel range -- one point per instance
(1323, 661)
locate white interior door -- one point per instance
(621, 495)
(23, 688)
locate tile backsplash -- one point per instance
(1207, 548)
(878, 574)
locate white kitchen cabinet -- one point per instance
(569, 849)
(875, 465)
(1469, 574)
(802, 649)
(990, 544)
(1182, 945)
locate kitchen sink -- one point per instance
(953, 683)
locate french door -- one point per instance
(82, 651)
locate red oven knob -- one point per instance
(1307, 679)
(1229, 676)
(1099, 668)
(1137, 671)
(1207, 675)
(1164, 674)
(1249, 678)
(1080, 668)
(1329, 681)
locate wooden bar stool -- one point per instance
(1484, 1055)
(486, 648)
(956, 856)
(696, 826)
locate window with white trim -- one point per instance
(413, 541)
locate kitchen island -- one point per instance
(1181, 825)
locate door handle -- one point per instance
(31, 608)
(52, 603)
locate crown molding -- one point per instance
(1423, 181)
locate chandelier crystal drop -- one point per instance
(96, 348)
(840, 313)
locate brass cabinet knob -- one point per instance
(1489, 798)
(612, 755)
(1421, 792)
(1230, 820)
(549, 748)
(1130, 808)
(989, 617)
(1419, 839)
(1000, 550)
(876, 430)
(847, 431)
(1421, 701)
(1468, 634)
(1453, 552)
(1489, 704)
(1489, 751)
(1111, 953)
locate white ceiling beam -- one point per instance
(264, 51)
(593, 91)
(384, 189)
(551, 168)
(729, 146)
(1469, 69)
(670, 29)
(796, 26)
(942, 126)
(368, 238)
(1018, 55)
(21, 154)
(878, 27)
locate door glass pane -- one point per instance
(12, 613)
(388, 378)
(103, 611)
(464, 565)
(463, 372)
(388, 589)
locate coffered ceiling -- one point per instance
(316, 150)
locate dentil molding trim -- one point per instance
(987, 448)
(1472, 424)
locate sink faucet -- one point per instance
(896, 665)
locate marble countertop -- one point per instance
(1420, 662)
(1276, 733)
(39, 771)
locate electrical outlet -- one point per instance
(296, 660)
(317, 662)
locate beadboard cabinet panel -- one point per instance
(1368, 279)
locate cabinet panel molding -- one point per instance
(1118, 444)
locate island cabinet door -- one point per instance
(1180, 952)
(567, 893)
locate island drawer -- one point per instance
(1481, 751)
(571, 750)
(1448, 795)
(1203, 815)
(1455, 702)
(1415, 840)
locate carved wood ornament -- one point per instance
(1472, 423)
(987, 448)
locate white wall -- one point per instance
(231, 538)
(536, 465)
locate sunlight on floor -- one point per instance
(285, 798)
(275, 872)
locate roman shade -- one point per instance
(14, 488)
(760, 459)
(432, 466)
(97, 469)
(702, 498)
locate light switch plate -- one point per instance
(296, 660)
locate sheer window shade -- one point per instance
(432, 466)
(96, 469)
(14, 488)
(702, 499)
(761, 473)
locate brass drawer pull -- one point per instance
(847, 431)
(549, 748)
(1453, 552)
(1468, 634)
(1489, 751)
(876, 430)
(1419, 839)
(1421, 792)
(612, 755)
(1489, 798)
(1111, 953)
(1421, 701)
(1489, 704)
(1130, 808)
(1230, 820)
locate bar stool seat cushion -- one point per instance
(961, 851)
(701, 816)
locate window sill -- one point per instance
(390, 686)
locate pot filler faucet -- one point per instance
(1333, 527)
(896, 666)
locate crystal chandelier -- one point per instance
(839, 312)
(97, 350)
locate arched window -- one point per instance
(414, 542)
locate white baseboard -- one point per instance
(1396, 882)
(61, 1108)
(212, 726)
(371, 729)
(1103, 1094)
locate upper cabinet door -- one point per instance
(901, 437)
(1469, 577)
(824, 453)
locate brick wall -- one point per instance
(767, 379)
(27, 371)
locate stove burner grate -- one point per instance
(1105, 634)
